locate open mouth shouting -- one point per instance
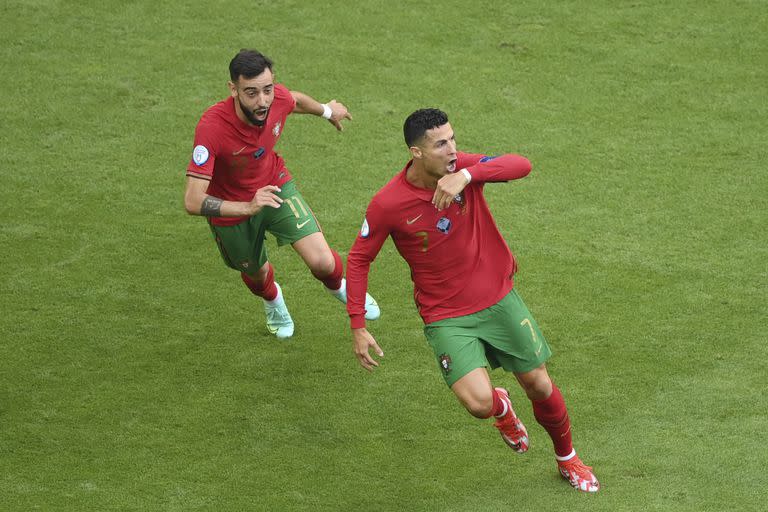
(452, 165)
(257, 116)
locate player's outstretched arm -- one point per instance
(198, 202)
(333, 111)
(363, 342)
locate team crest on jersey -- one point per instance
(276, 129)
(459, 199)
(444, 225)
(445, 363)
(365, 230)
(200, 154)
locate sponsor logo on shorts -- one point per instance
(445, 363)
(300, 225)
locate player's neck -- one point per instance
(419, 177)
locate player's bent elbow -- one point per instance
(191, 207)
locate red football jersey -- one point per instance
(460, 263)
(239, 158)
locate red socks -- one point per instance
(266, 289)
(499, 407)
(553, 416)
(333, 280)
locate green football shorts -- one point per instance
(504, 334)
(242, 245)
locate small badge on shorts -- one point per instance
(257, 154)
(446, 363)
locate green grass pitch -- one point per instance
(135, 369)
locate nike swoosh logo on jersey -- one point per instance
(235, 153)
(411, 221)
(300, 225)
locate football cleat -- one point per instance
(372, 311)
(578, 474)
(512, 430)
(279, 321)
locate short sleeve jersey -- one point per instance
(236, 157)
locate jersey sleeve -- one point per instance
(371, 237)
(285, 98)
(494, 168)
(204, 152)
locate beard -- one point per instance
(251, 115)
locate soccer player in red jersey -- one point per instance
(463, 272)
(237, 180)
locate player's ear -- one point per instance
(415, 151)
(232, 88)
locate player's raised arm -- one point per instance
(481, 169)
(500, 168)
(333, 111)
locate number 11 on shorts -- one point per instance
(290, 201)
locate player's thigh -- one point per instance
(514, 339)
(294, 219)
(242, 246)
(456, 346)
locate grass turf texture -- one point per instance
(135, 369)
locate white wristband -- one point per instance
(466, 175)
(327, 112)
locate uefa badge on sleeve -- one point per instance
(200, 155)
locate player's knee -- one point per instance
(538, 389)
(321, 265)
(257, 277)
(479, 407)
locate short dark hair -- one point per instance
(417, 124)
(248, 64)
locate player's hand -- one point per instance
(338, 112)
(448, 187)
(265, 196)
(363, 342)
